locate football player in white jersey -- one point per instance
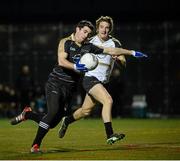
(94, 80)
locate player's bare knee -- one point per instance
(86, 112)
(108, 101)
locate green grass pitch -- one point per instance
(150, 139)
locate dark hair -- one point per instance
(83, 23)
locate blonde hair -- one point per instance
(107, 19)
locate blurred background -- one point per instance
(30, 32)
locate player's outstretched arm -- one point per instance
(121, 51)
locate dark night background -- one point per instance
(30, 32)
(18, 11)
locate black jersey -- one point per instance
(69, 46)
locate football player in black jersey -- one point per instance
(64, 78)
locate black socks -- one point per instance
(108, 128)
(69, 120)
(40, 135)
(34, 116)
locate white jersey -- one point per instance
(106, 63)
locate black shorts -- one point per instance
(89, 82)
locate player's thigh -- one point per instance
(89, 102)
(100, 93)
(55, 103)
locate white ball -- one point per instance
(90, 60)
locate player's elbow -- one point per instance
(61, 62)
(123, 63)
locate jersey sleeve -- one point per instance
(63, 45)
(96, 50)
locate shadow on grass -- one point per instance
(60, 150)
(143, 146)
